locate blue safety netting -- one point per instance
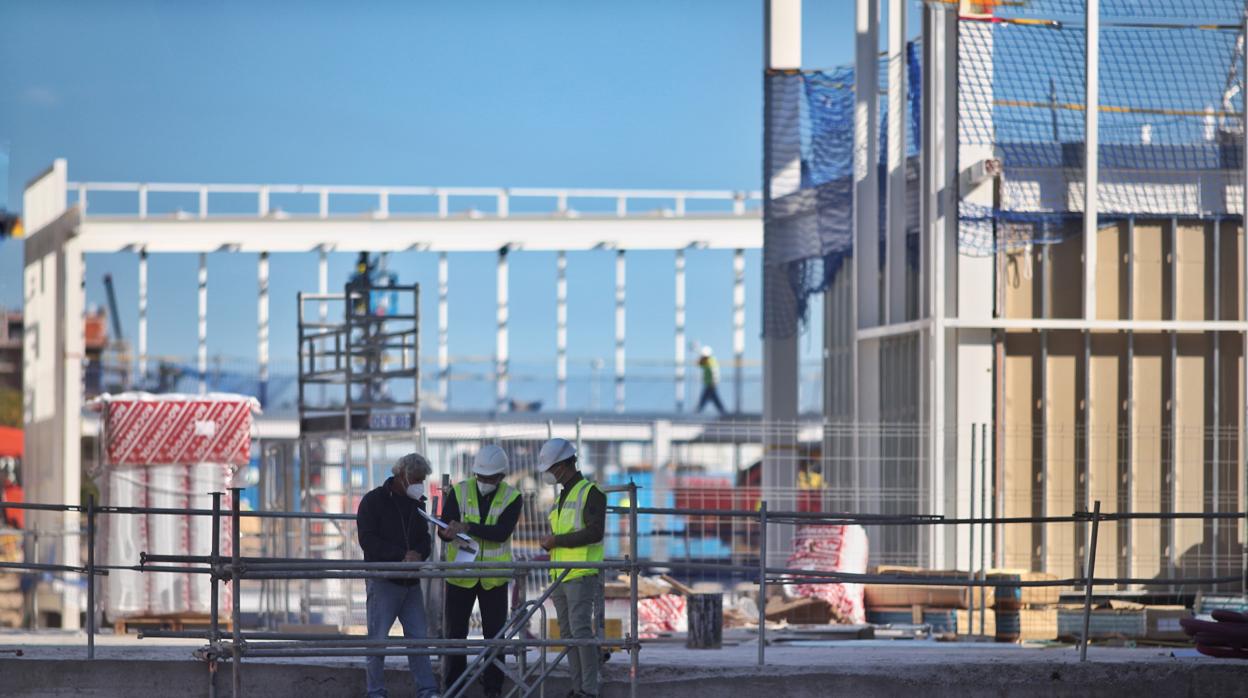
(1170, 115)
(811, 214)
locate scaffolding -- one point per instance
(359, 404)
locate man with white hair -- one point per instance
(391, 529)
(485, 508)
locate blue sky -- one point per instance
(619, 94)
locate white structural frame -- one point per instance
(61, 235)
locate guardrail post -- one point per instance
(1089, 570)
(762, 581)
(214, 614)
(236, 596)
(634, 649)
(90, 576)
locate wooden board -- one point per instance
(1019, 447)
(1063, 386)
(1147, 447)
(1107, 415)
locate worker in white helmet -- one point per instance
(577, 523)
(485, 508)
(710, 380)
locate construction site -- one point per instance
(1017, 467)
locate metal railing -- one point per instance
(441, 200)
(235, 568)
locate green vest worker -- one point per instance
(576, 526)
(487, 509)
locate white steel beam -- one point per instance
(781, 176)
(619, 331)
(500, 344)
(680, 331)
(866, 160)
(397, 234)
(561, 330)
(444, 363)
(1243, 304)
(1091, 140)
(142, 338)
(262, 326)
(738, 327)
(202, 365)
(895, 287)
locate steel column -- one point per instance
(1091, 115)
(561, 330)
(680, 331)
(500, 338)
(619, 330)
(202, 365)
(262, 322)
(895, 287)
(738, 327)
(444, 364)
(142, 338)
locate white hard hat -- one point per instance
(490, 460)
(554, 451)
(706, 351)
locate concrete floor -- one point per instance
(54, 664)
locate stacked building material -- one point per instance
(1123, 620)
(11, 601)
(945, 609)
(1024, 613)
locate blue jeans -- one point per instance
(386, 602)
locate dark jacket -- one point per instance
(388, 525)
(499, 532)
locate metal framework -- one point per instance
(512, 641)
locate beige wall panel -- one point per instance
(1147, 273)
(1104, 444)
(1189, 447)
(1018, 273)
(1190, 272)
(1111, 282)
(1146, 449)
(1018, 445)
(1065, 289)
(1061, 446)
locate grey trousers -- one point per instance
(575, 602)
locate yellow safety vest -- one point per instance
(487, 551)
(570, 518)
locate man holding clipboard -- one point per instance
(486, 510)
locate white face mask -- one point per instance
(416, 491)
(549, 478)
(486, 487)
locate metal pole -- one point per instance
(236, 595)
(738, 328)
(561, 330)
(262, 322)
(894, 301)
(500, 338)
(1089, 569)
(983, 527)
(90, 576)
(214, 630)
(142, 339)
(680, 331)
(444, 293)
(634, 650)
(762, 581)
(1091, 142)
(619, 331)
(202, 365)
(970, 613)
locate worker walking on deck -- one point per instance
(391, 529)
(710, 381)
(485, 508)
(576, 524)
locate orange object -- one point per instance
(11, 442)
(12, 492)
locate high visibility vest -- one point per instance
(570, 518)
(487, 551)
